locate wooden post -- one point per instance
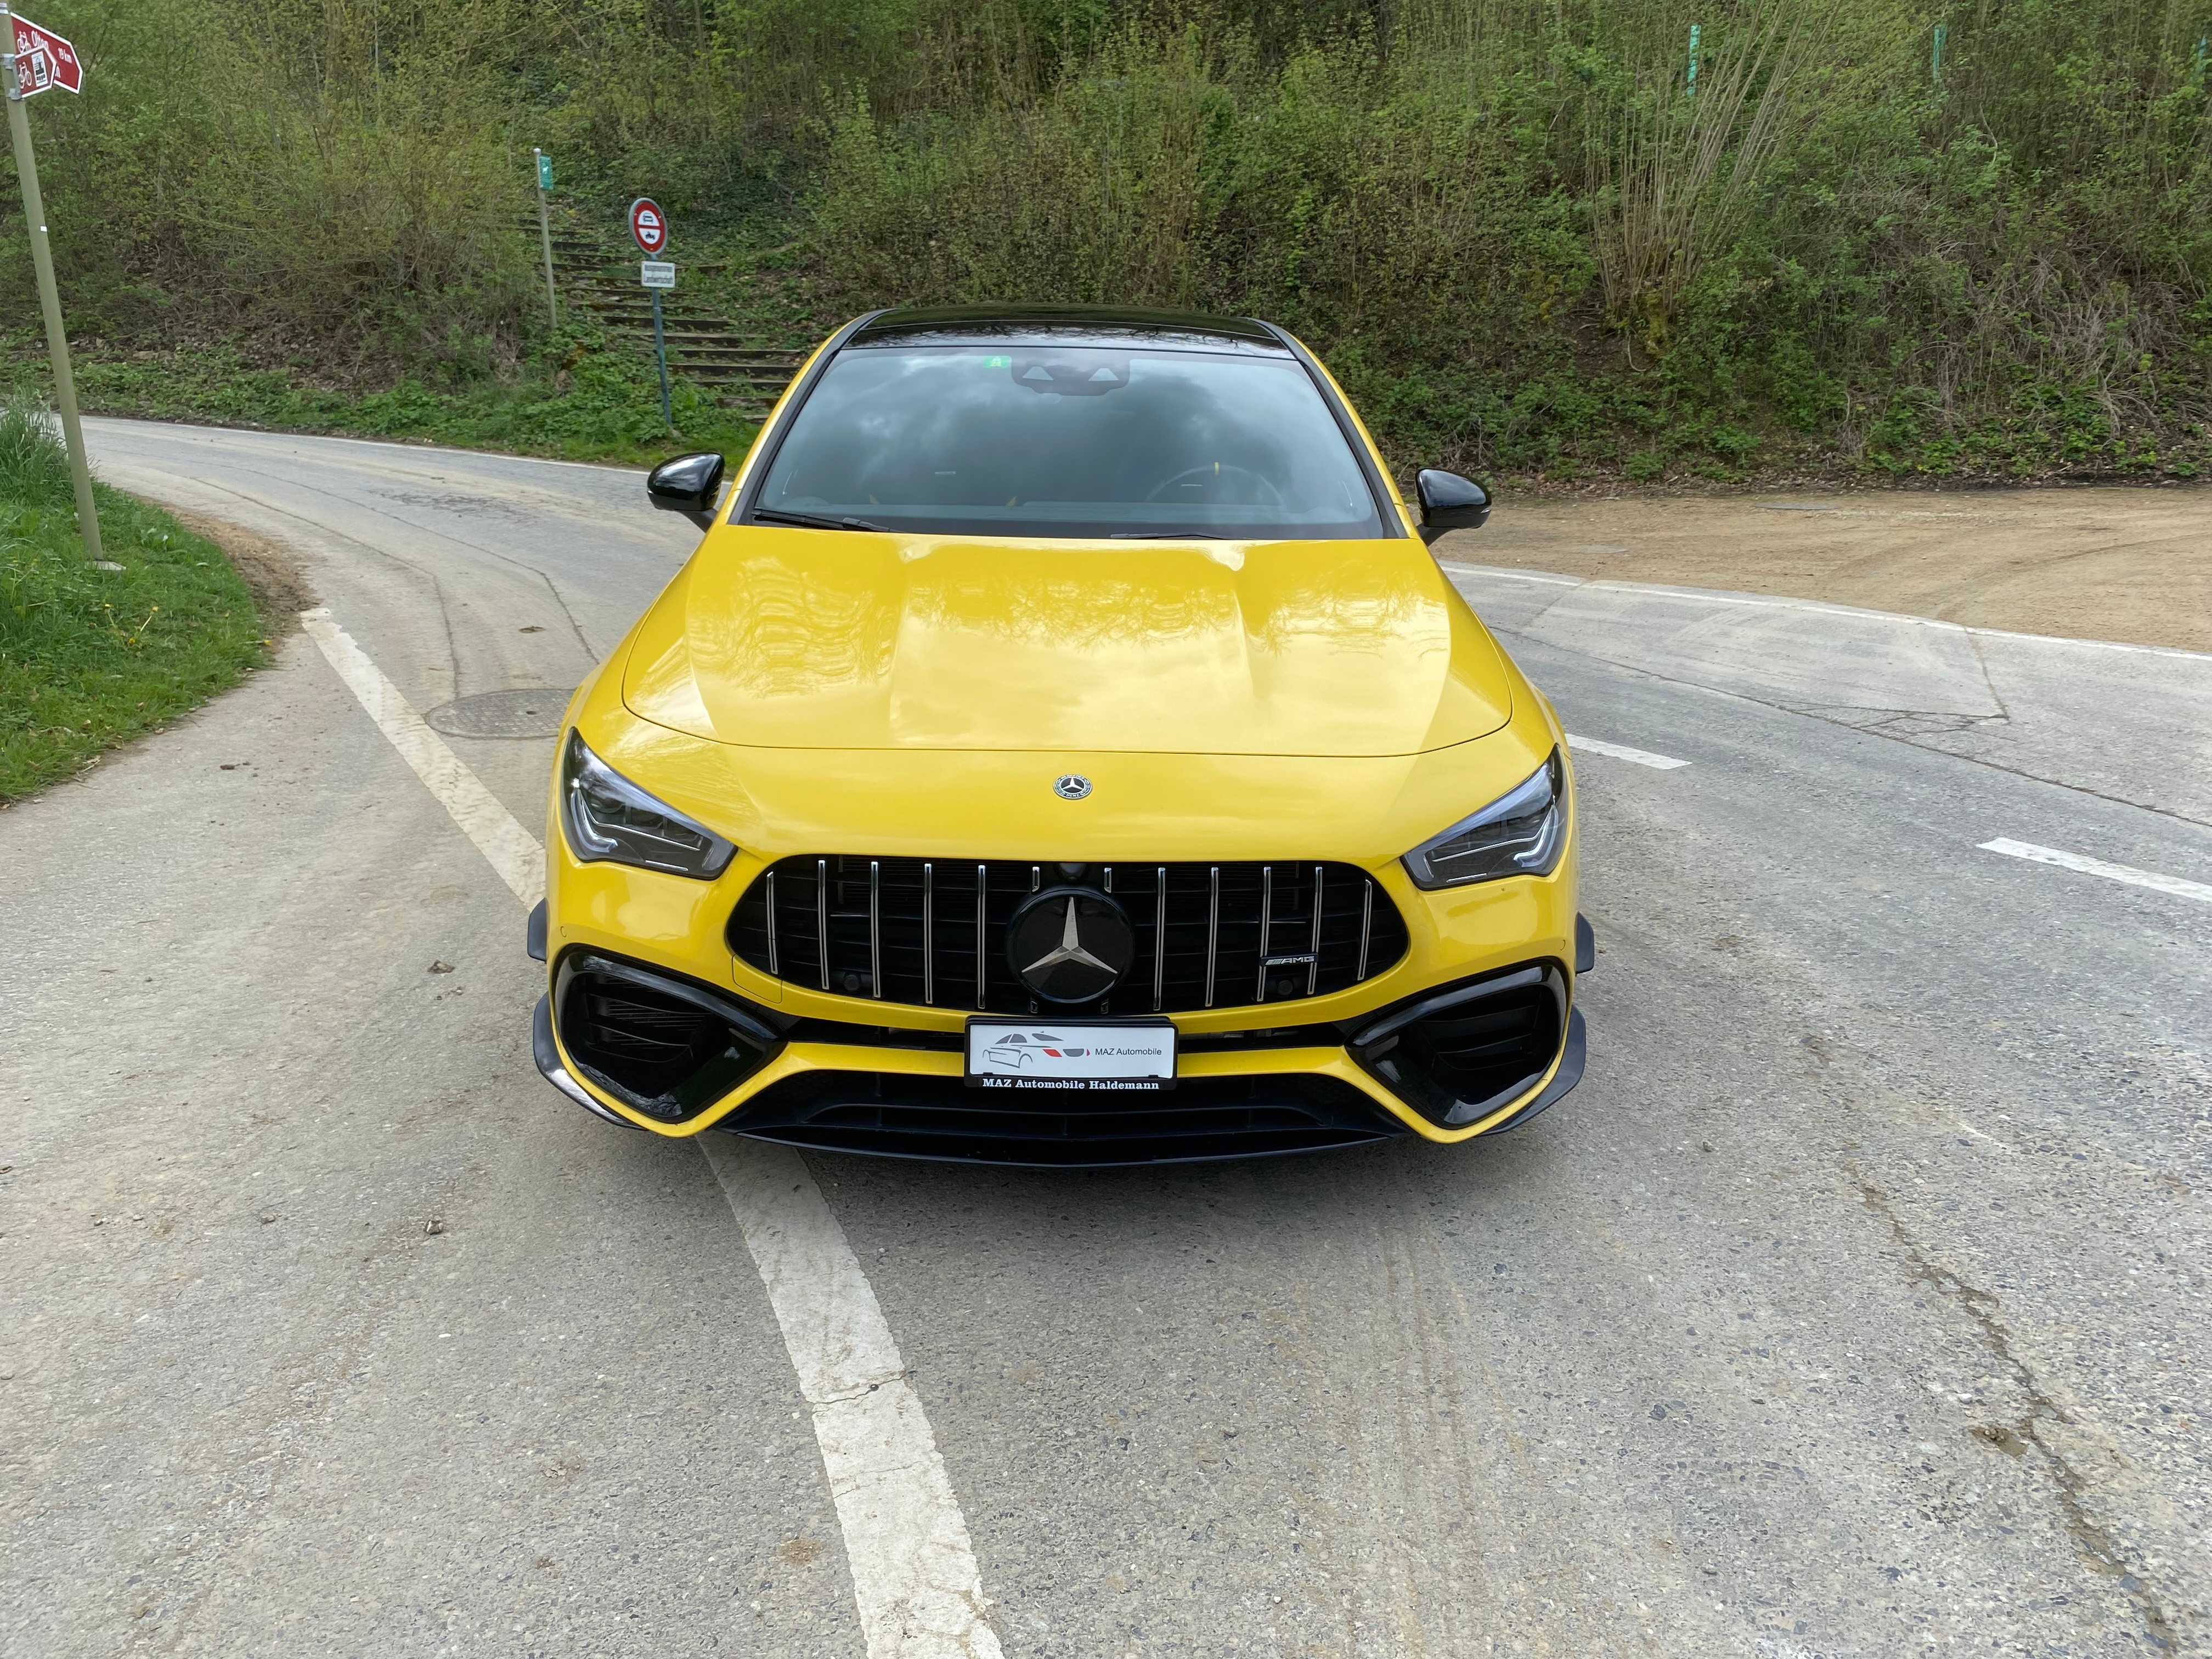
(50, 299)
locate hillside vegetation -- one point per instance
(1528, 237)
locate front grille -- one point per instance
(932, 932)
(903, 1116)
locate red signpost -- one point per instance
(34, 60)
(44, 60)
(650, 225)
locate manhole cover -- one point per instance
(534, 711)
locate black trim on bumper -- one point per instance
(898, 1115)
(1457, 1053)
(1585, 946)
(533, 932)
(1563, 1081)
(661, 1044)
(547, 1056)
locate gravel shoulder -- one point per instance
(2133, 565)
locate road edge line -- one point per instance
(914, 1575)
(1622, 751)
(915, 1581)
(1828, 607)
(2179, 886)
(512, 851)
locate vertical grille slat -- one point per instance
(929, 935)
(901, 930)
(1159, 938)
(1313, 968)
(773, 971)
(875, 928)
(1213, 931)
(982, 888)
(1266, 929)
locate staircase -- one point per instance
(745, 373)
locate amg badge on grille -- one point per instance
(1071, 786)
(1070, 944)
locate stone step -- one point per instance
(735, 380)
(697, 351)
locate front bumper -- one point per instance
(650, 1049)
(1487, 971)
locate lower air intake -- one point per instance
(901, 1116)
(1460, 1052)
(662, 1045)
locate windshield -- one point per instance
(1035, 438)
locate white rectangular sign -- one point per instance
(1078, 1055)
(656, 273)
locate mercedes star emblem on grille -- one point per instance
(1069, 944)
(1071, 786)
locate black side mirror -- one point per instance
(1449, 502)
(689, 484)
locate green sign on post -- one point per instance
(545, 234)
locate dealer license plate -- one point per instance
(1080, 1056)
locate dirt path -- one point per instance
(2129, 564)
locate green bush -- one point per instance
(1511, 228)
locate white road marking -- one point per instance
(513, 850)
(2201, 891)
(1622, 751)
(1772, 602)
(231, 435)
(914, 1577)
(914, 1570)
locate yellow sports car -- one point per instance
(1060, 749)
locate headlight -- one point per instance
(1521, 833)
(609, 817)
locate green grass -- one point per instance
(578, 396)
(90, 659)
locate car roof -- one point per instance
(1067, 326)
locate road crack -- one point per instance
(2100, 1550)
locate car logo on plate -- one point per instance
(1071, 786)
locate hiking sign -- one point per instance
(44, 60)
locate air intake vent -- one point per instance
(663, 1045)
(1460, 1052)
(933, 933)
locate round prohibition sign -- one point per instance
(649, 224)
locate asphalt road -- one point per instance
(1855, 1304)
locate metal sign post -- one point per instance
(545, 232)
(659, 277)
(650, 226)
(34, 60)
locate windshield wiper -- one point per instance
(1168, 536)
(810, 520)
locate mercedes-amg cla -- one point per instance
(1061, 749)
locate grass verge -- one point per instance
(90, 659)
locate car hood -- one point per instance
(808, 639)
